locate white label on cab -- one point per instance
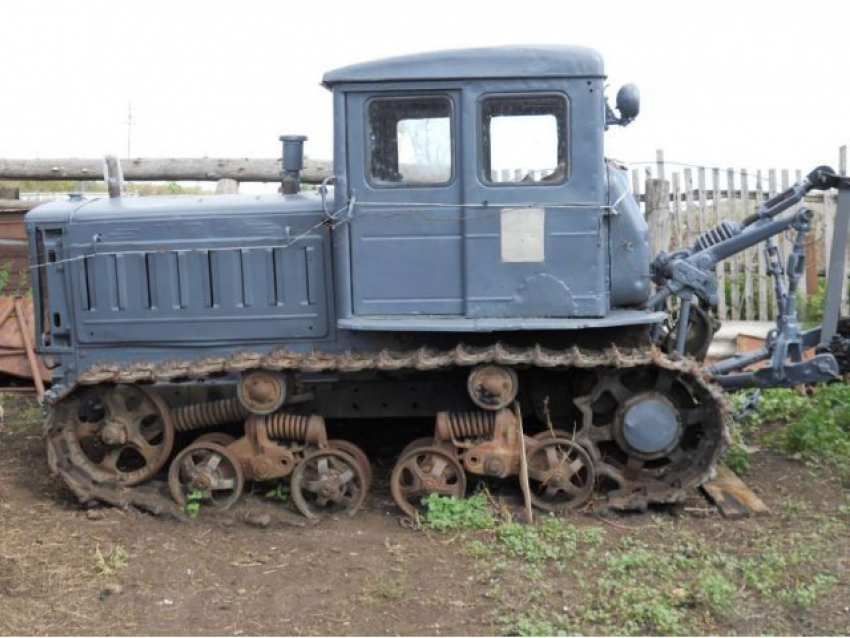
(523, 234)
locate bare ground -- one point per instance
(64, 570)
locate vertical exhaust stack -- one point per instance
(293, 162)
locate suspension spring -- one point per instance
(463, 425)
(292, 427)
(205, 415)
(726, 230)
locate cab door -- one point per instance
(406, 228)
(535, 235)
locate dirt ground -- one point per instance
(64, 570)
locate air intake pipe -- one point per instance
(292, 162)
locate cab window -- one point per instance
(409, 141)
(524, 139)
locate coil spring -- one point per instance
(726, 230)
(471, 424)
(204, 415)
(291, 427)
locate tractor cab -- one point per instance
(476, 190)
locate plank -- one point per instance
(689, 215)
(678, 231)
(659, 163)
(720, 269)
(732, 496)
(734, 261)
(762, 264)
(703, 205)
(749, 306)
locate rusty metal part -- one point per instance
(262, 391)
(636, 493)
(328, 482)
(425, 441)
(499, 455)
(630, 480)
(293, 427)
(261, 458)
(18, 359)
(357, 454)
(560, 474)
(452, 426)
(219, 438)
(423, 471)
(492, 387)
(198, 416)
(114, 435)
(208, 474)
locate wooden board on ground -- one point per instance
(732, 496)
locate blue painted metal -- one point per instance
(364, 265)
(651, 425)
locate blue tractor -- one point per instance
(475, 260)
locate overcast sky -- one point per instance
(730, 83)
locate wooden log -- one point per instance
(659, 163)
(161, 169)
(17, 205)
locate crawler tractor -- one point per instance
(519, 310)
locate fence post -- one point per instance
(658, 215)
(659, 163)
(226, 186)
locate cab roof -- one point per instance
(490, 62)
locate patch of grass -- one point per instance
(817, 426)
(478, 549)
(737, 458)
(534, 622)
(449, 513)
(388, 587)
(112, 561)
(550, 540)
(806, 594)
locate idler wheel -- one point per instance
(560, 475)
(262, 391)
(328, 482)
(492, 387)
(117, 434)
(208, 474)
(424, 471)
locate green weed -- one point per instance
(447, 512)
(193, 503)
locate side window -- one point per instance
(409, 141)
(524, 139)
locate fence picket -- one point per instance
(749, 306)
(720, 270)
(690, 212)
(734, 262)
(762, 264)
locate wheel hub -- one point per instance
(114, 433)
(650, 425)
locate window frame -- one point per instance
(482, 175)
(367, 146)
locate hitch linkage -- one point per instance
(689, 274)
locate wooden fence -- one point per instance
(682, 202)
